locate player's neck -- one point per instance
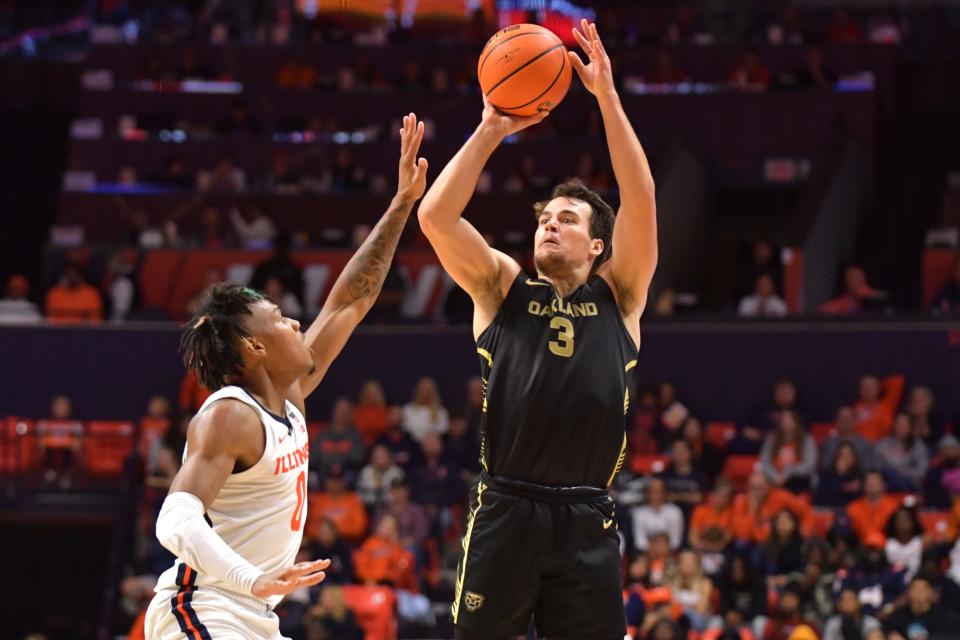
(565, 284)
(267, 390)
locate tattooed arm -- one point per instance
(357, 288)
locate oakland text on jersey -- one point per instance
(572, 309)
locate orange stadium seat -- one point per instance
(648, 464)
(718, 433)
(821, 431)
(19, 451)
(106, 446)
(374, 608)
(739, 468)
(935, 524)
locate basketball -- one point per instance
(524, 69)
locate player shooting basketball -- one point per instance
(235, 513)
(556, 354)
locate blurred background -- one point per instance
(807, 160)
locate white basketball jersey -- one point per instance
(260, 512)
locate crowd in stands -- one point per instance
(777, 528)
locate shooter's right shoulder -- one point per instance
(227, 426)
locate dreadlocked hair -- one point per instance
(210, 343)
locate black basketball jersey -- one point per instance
(555, 374)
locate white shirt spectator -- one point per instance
(19, 311)
(649, 520)
(257, 233)
(418, 420)
(906, 555)
(373, 485)
(755, 306)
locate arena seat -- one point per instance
(106, 447)
(935, 524)
(718, 433)
(738, 469)
(644, 465)
(374, 608)
(821, 431)
(19, 447)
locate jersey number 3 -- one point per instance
(563, 345)
(296, 521)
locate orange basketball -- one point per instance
(524, 69)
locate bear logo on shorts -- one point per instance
(473, 601)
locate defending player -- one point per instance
(234, 516)
(556, 353)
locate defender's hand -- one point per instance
(597, 76)
(503, 125)
(413, 171)
(288, 579)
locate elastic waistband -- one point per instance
(542, 492)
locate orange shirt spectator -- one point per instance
(753, 511)
(342, 507)
(869, 514)
(73, 300)
(192, 393)
(751, 74)
(381, 559)
(953, 522)
(371, 415)
(712, 522)
(878, 403)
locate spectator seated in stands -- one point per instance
(782, 550)
(328, 544)
(869, 514)
(942, 483)
(857, 296)
(60, 437)
(296, 74)
(331, 618)
(347, 175)
(926, 425)
(375, 479)
(413, 522)
(751, 74)
(845, 431)
(657, 516)
(789, 455)
(692, 590)
(763, 258)
(920, 617)
(788, 621)
(904, 546)
(281, 266)
(753, 511)
(673, 415)
(288, 303)
(223, 177)
(850, 620)
(371, 415)
(15, 308)
(435, 480)
(405, 450)
(743, 594)
(902, 456)
(425, 413)
(877, 404)
(120, 288)
(383, 560)
(706, 457)
(685, 484)
(764, 302)
(153, 428)
(814, 72)
(254, 230)
(339, 444)
(947, 300)
(72, 299)
(711, 526)
(664, 70)
(751, 436)
(343, 507)
(462, 448)
(841, 482)
(211, 234)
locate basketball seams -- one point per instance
(563, 66)
(524, 66)
(513, 37)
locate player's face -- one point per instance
(563, 241)
(285, 348)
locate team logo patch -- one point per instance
(473, 601)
